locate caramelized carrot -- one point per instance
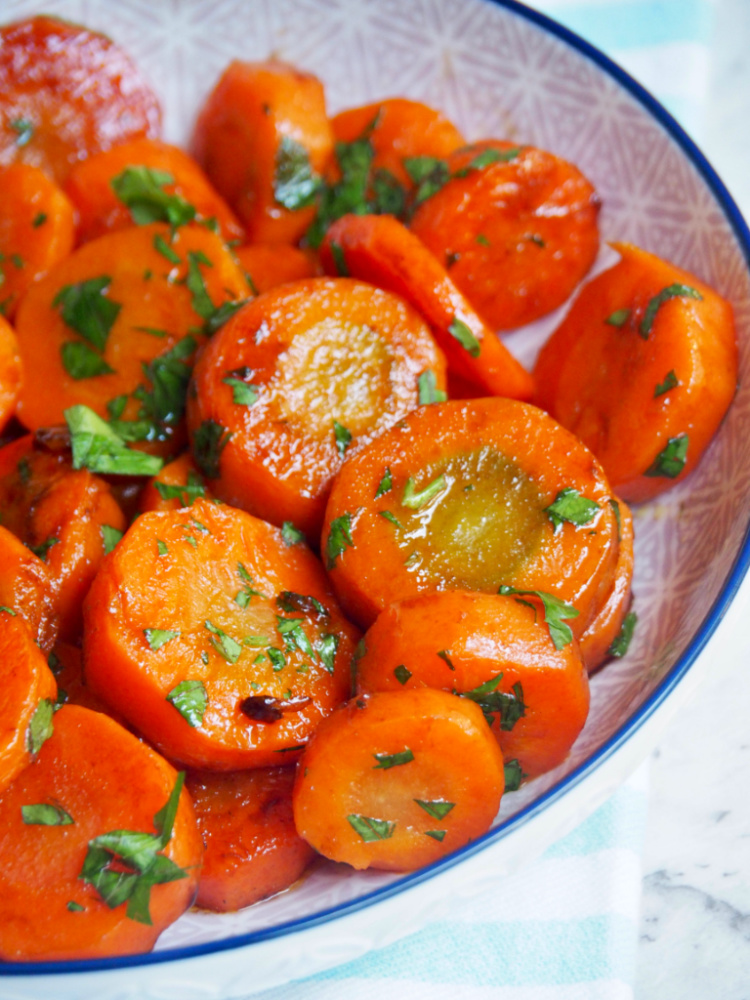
(114, 327)
(496, 651)
(296, 382)
(252, 848)
(27, 697)
(379, 249)
(10, 372)
(68, 517)
(267, 265)
(26, 588)
(263, 138)
(37, 228)
(99, 848)
(67, 93)
(216, 638)
(66, 664)
(642, 369)
(516, 227)
(179, 484)
(145, 181)
(397, 780)
(472, 495)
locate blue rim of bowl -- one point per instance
(706, 629)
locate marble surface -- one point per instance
(695, 927)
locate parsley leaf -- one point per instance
(509, 708)
(385, 484)
(81, 361)
(244, 393)
(388, 195)
(401, 673)
(555, 611)
(46, 814)
(438, 835)
(570, 506)
(671, 460)
(339, 259)
(189, 698)
(343, 437)
(294, 184)
(618, 318)
(43, 549)
(98, 448)
(187, 494)
(86, 309)
(209, 442)
(110, 537)
(40, 727)
(161, 246)
(428, 390)
(370, 829)
(460, 331)
(141, 190)
(621, 643)
(158, 637)
(414, 500)
(24, 129)
(670, 292)
(428, 174)
(291, 535)
(339, 538)
(196, 285)
(326, 649)
(437, 808)
(670, 382)
(349, 194)
(388, 760)
(513, 775)
(224, 644)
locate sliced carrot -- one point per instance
(26, 588)
(217, 639)
(37, 229)
(516, 227)
(67, 93)
(66, 664)
(497, 652)
(27, 697)
(252, 847)
(67, 517)
(263, 138)
(267, 265)
(642, 369)
(397, 780)
(379, 249)
(11, 374)
(99, 848)
(472, 496)
(114, 327)
(610, 632)
(145, 181)
(179, 484)
(296, 382)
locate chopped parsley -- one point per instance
(326, 649)
(244, 392)
(40, 727)
(291, 535)
(142, 190)
(110, 537)
(339, 258)
(370, 829)
(46, 814)
(621, 643)
(444, 655)
(190, 700)
(209, 442)
(570, 506)
(98, 448)
(508, 708)
(670, 382)
(24, 130)
(670, 292)
(385, 761)
(158, 637)
(414, 500)
(671, 460)
(85, 308)
(461, 332)
(39, 220)
(401, 673)
(428, 390)
(81, 361)
(618, 318)
(186, 494)
(339, 538)
(43, 549)
(343, 437)
(161, 246)
(224, 644)
(385, 484)
(555, 611)
(294, 184)
(514, 775)
(437, 808)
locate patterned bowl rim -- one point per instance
(654, 701)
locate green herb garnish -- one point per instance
(461, 332)
(437, 808)
(158, 637)
(370, 829)
(428, 390)
(670, 292)
(621, 643)
(387, 760)
(414, 500)
(671, 460)
(294, 184)
(555, 611)
(46, 814)
(141, 190)
(570, 506)
(339, 538)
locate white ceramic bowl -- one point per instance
(500, 70)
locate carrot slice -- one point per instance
(497, 652)
(267, 265)
(10, 372)
(145, 181)
(65, 662)
(27, 697)
(66, 93)
(379, 249)
(26, 588)
(610, 632)
(263, 138)
(37, 228)
(218, 640)
(472, 496)
(99, 848)
(69, 518)
(179, 484)
(642, 369)
(252, 847)
(516, 226)
(296, 382)
(397, 780)
(114, 327)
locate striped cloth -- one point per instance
(566, 926)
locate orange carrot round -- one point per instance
(26, 588)
(296, 382)
(473, 496)
(516, 227)
(267, 265)
(10, 372)
(66, 664)
(99, 849)
(216, 638)
(397, 780)
(179, 484)
(497, 652)
(145, 181)
(642, 369)
(263, 138)
(66, 93)
(252, 848)
(379, 249)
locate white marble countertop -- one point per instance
(695, 926)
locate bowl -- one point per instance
(497, 69)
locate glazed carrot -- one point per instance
(217, 636)
(397, 780)
(296, 382)
(68, 517)
(610, 632)
(26, 588)
(27, 696)
(472, 496)
(267, 265)
(145, 181)
(252, 848)
(642, 369)
(99, 848)
(114, 327)
(179, 484)
(67, 93)
(263, 138)
(496, 651)
(66, 664)
(381, 250)
(37, 228)
(516, 227)
(10, 372)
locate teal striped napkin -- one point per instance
(566, 926)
